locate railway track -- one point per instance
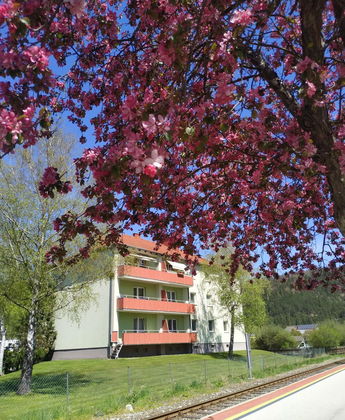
(209, 407)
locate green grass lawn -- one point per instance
(81, 389)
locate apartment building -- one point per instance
(152, 306)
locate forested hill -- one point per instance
(290, 307)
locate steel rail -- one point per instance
(244, 394)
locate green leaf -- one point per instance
(190, 131)
(25, 21)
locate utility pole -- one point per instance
(249, 356)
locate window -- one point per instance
(194, 324)
(172, 325)
(139, 324)
(192, 297)
(208, 297)
(211, 325)
(139, 292)
(171, 296)
(226, 326)
(142, 263)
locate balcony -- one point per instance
(157, 337)
(148, 274)
(154, 305)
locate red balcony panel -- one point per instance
(129, 338)
(114, 336)
(154, 305)
(149, 274)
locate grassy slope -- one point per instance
(97, 387)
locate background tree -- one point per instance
(274, 338)
(215, 121)
(242, 299)
(27, 280)
(253, 303)
(9, 321)
(328, 334)
(288, 306)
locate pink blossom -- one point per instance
(57, 224)
(9, 124)
(223, 94)
(129, 106)
(31, 6)
(156, 160)
(150, 171)
(242, 17)
(167, 55)
(150, 124)
(91, 155)
(311, 89)
(288, 205)
(29, 113)
(163, 123)
(341, 131)
(37, 56)
(303, 65)
(50, 176)
(9, 59)
(76, 7)
(6, 11)
(341, 70)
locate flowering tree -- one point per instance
(215, 121)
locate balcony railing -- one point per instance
(153, 298)
(136, 337)
(150, 274)
(127, 302)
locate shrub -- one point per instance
(13, 358)
(274, 338)
(329, 334)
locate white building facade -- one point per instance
(151, 306)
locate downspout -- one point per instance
(110, 316)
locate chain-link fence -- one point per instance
(78, 395)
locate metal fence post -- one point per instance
(249, 356)
(67, 394)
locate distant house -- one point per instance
(153, 305)
(303, 328)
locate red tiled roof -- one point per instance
(137, 242)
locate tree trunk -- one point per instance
(28, 361)
(2, 345)
(311, 118)
(232, 333)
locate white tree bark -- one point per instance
(2, 345)
(28, 361)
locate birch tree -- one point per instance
(27, 280)
(239, 296)
(2, 344)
